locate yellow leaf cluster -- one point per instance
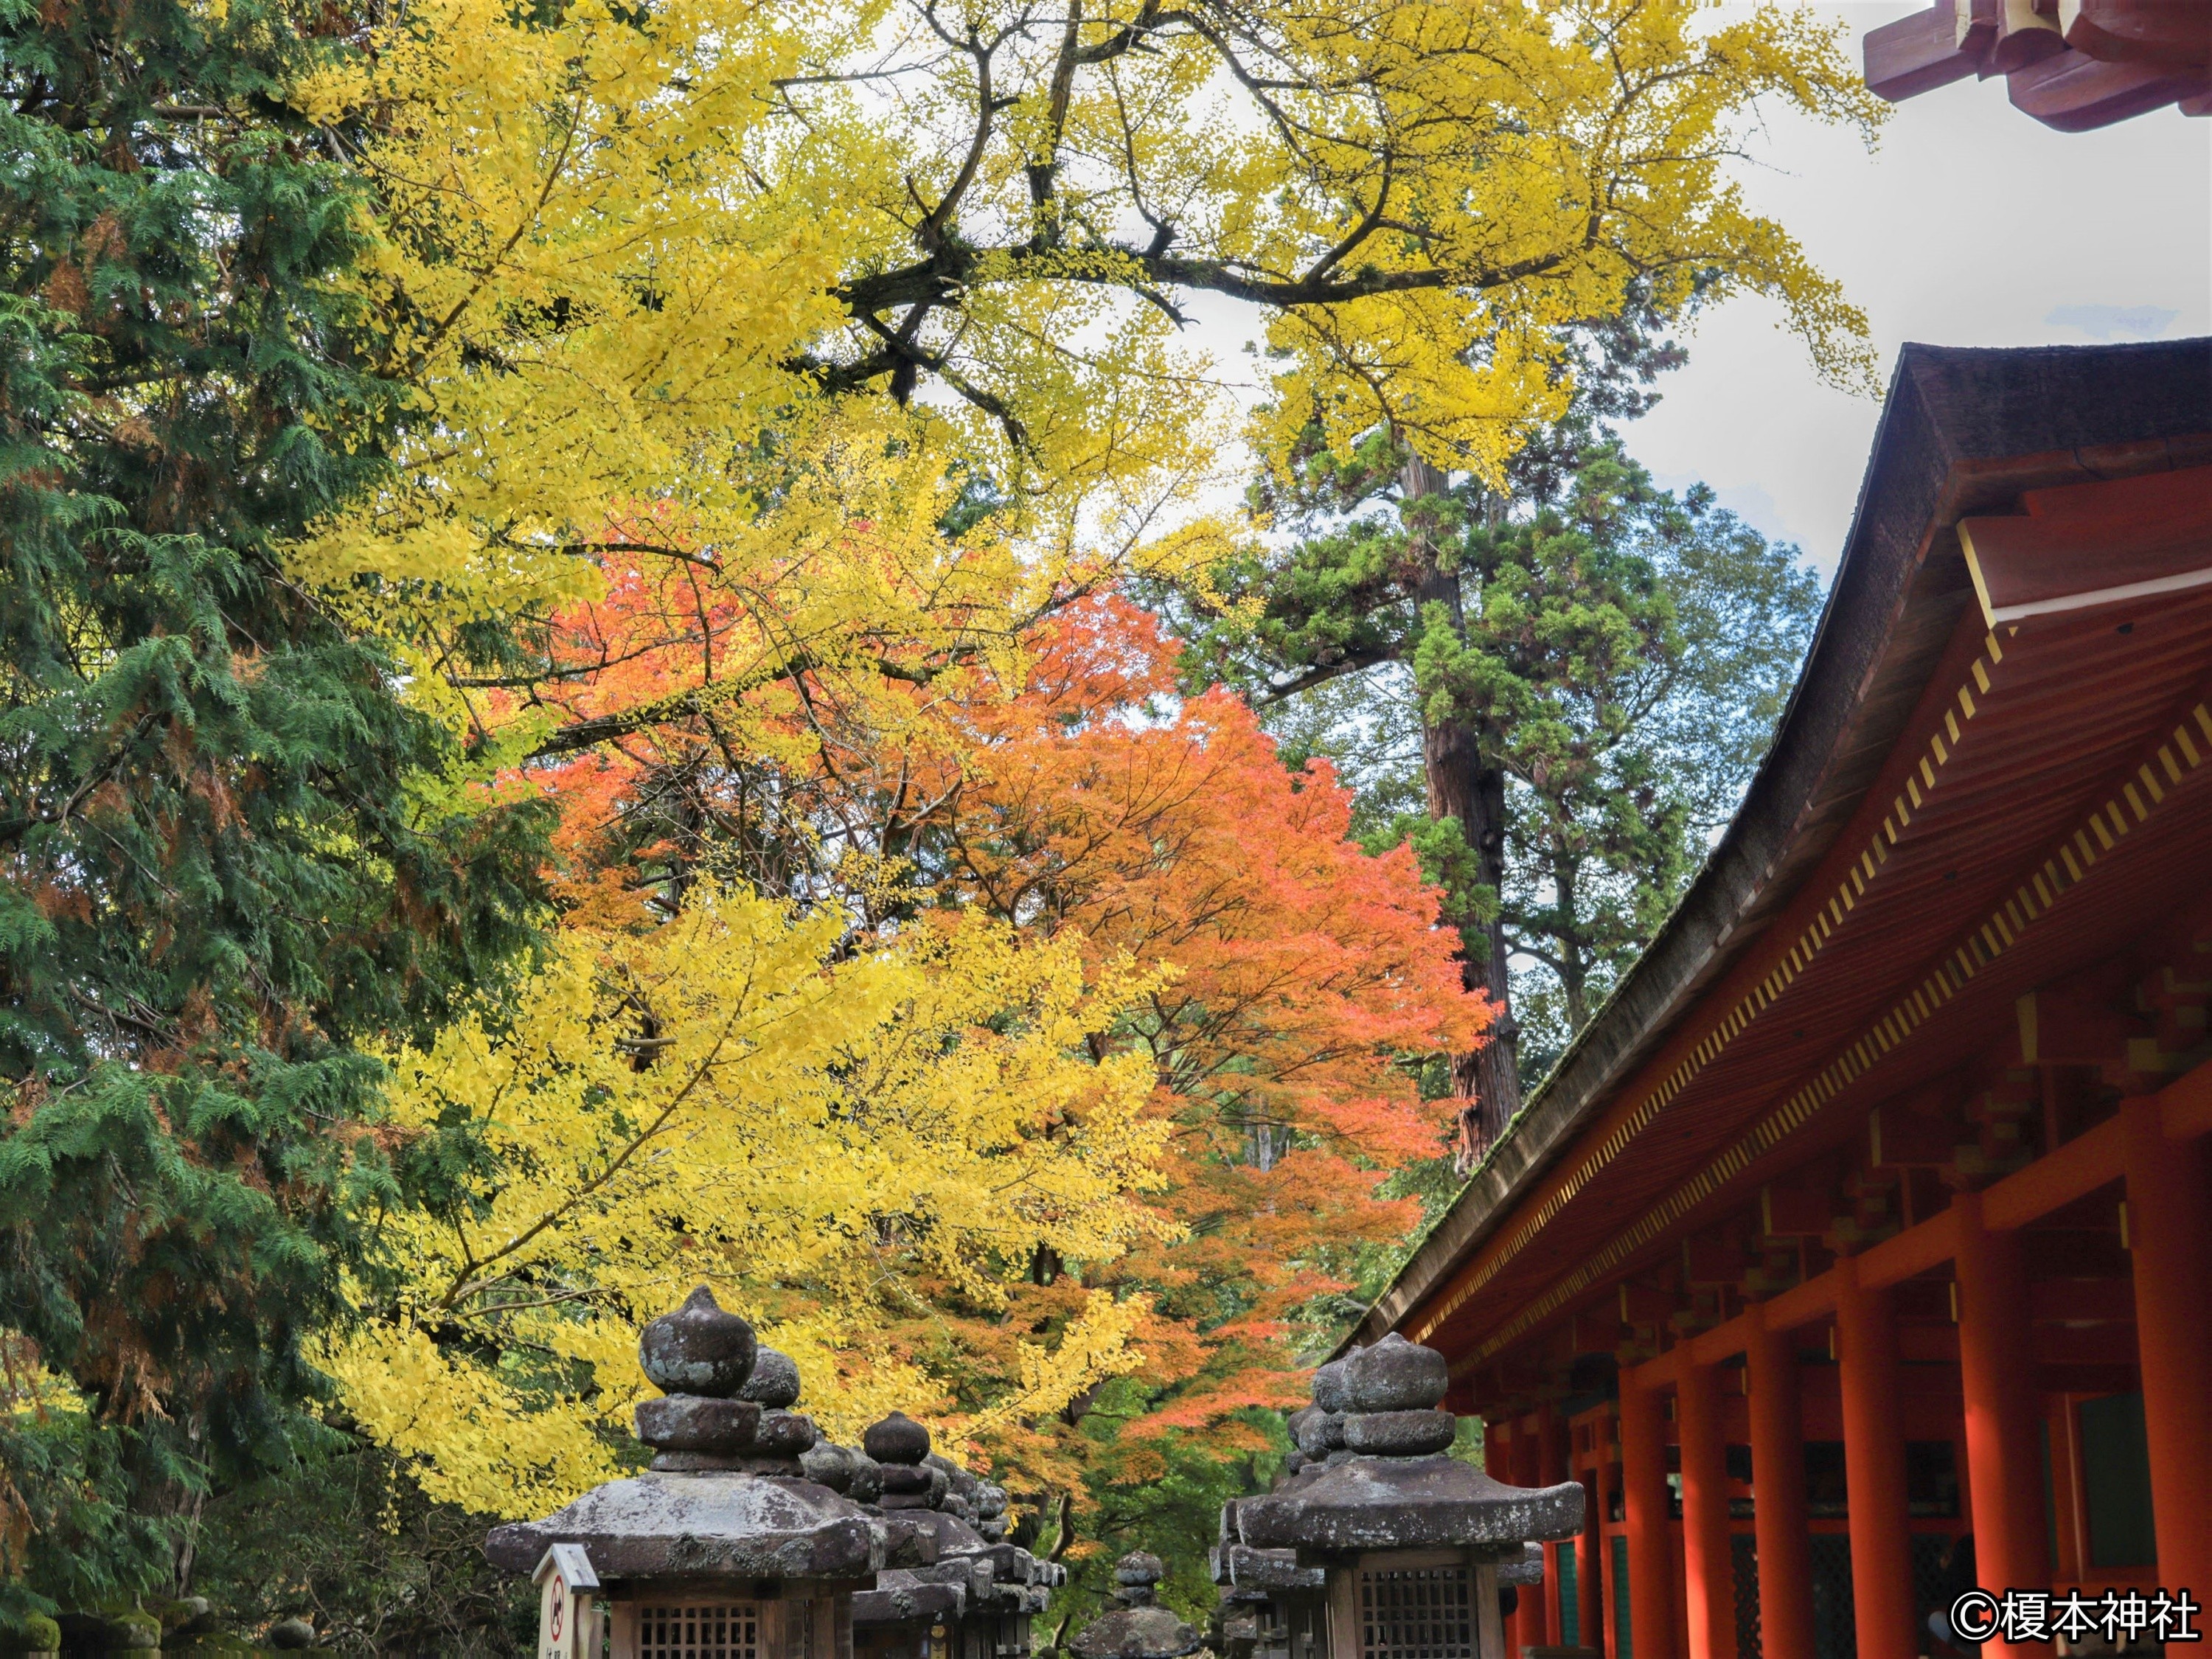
(606, 256)
(1419, 195)
(642, 272)
(734, 1099)
(1599, 180)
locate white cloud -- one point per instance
(2114, 322)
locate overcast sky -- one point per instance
(1970, 224)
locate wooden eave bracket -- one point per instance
(2072, 65)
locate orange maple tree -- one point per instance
(1309, 979)
(1076, 793)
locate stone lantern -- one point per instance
(1139, 1627)
(1000, 1613)
(1271, 1607)
(723, 1549)
(976, 1597)
(1023, 1583)
(1410, 1540)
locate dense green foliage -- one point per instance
(1614, 656)
(216, 869)
(341, 1537)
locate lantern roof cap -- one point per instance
(657, 1525)
(1527, 1568)
(1404, 1502)
(1136, 1633)
(901, 1597)
(1375, 1472)
(726, 1493)
(1243, 1567)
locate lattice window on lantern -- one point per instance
(1271, 1623)
(729, 1630)
(1417, 1612)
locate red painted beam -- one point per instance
(2140, 536)
(2186, 1105)
(2074, 1170)
(2073, 92)
(2121, 31)
(2052, 1181)
(1918, 54)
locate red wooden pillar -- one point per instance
(1532, 1628)
(1873, 1470)
(1708, 1567)
(1589, 1554)
(1554, 1466)
(1778, 1489)
(1650, 1542)
(2004, 1451)
(2170, 1228)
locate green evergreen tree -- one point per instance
(215, 871)
(1556, 693)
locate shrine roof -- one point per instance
(2021, 613)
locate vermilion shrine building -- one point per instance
(1872, 1212)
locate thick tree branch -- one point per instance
(1321, 673)
(939, 280)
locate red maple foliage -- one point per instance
(1309, 978)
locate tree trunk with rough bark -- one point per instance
(1461, 785)
(1573, 966)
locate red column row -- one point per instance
(2170, 1234)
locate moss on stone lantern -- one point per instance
(976, 1598)
(1138, 1628)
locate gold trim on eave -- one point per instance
(1769, 1132)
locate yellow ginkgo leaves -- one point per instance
(727, 1100)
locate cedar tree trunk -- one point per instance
(1463, 785)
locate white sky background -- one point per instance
(1970, 225)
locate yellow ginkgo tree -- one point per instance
(634, 264)
(827, 349)
(730, 1098)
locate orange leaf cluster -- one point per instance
(1308, 975)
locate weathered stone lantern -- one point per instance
(1139, 1627)
(723, 1549)
(1023, 1583)
(1000, 1613)
(1410, 1540)
(976, 1597)
(1271, 1607)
